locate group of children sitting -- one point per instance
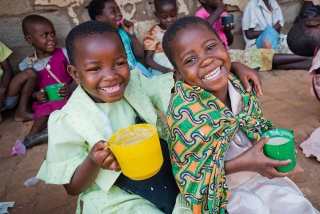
(213, 160)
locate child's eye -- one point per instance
(210, 47)
(44, 35)
(190, 60)
(53, 34)
(93, 69)
(164, 17)
(173, 15)
(118, 64)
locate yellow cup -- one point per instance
(138, 151)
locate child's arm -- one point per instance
(6, 78)
(151, 63)
(254, 160)
(277, 27)
(87, 172)
(245, 74)
(252, 34)
(215, 16)
(135, 44)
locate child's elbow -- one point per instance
(70, 190)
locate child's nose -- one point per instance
(206, 61)
(109, 74)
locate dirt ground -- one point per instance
(287, 102)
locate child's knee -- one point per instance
(31, 73)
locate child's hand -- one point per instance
(245, 74)
(128, 26)
(229, 28)
(104, 157)
(254, 160)
(41, 96)
(64, 91)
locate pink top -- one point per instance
(58, 65)
(202, 13)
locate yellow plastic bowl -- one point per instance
(138, 151)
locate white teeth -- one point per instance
(110, 88)
(212, 74)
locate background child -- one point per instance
(108, 11)
(210, 120)
(256, 16)
(166, 13)
(40, 33)
(263, 59)
(212, 11)
(304, 39)
(6, 74)
(104, 102)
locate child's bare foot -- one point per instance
(267, 44)
(24, 116)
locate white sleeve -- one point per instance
(249, 19)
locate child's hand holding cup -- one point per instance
(228, 22)
(280, 147)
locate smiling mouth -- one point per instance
(212, 74)
(51, 44)
(112, 89)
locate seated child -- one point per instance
(213, 125)
(166, 12)
(108, 11)
(50, 64)
(212, 11)
(309, 9)
(108, 98)
(16, 90)
(6, 74)
(264, 59)
(304, 40)
(257, 15)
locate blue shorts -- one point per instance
(10, 102)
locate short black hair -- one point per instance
(95, 8)
(159, 3)
(32, 19)
(85, 30)
(300, 40)
(179, 25)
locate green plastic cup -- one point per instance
(280, 147)
(52, 91)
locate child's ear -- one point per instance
(73, 73)
(28, 38)
(177, 75)
(98, 17)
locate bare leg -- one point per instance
(291, 61)
(36, 136)
(38, 126)
(23, 84)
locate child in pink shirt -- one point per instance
(212, 11)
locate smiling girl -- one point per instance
(215, 129)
